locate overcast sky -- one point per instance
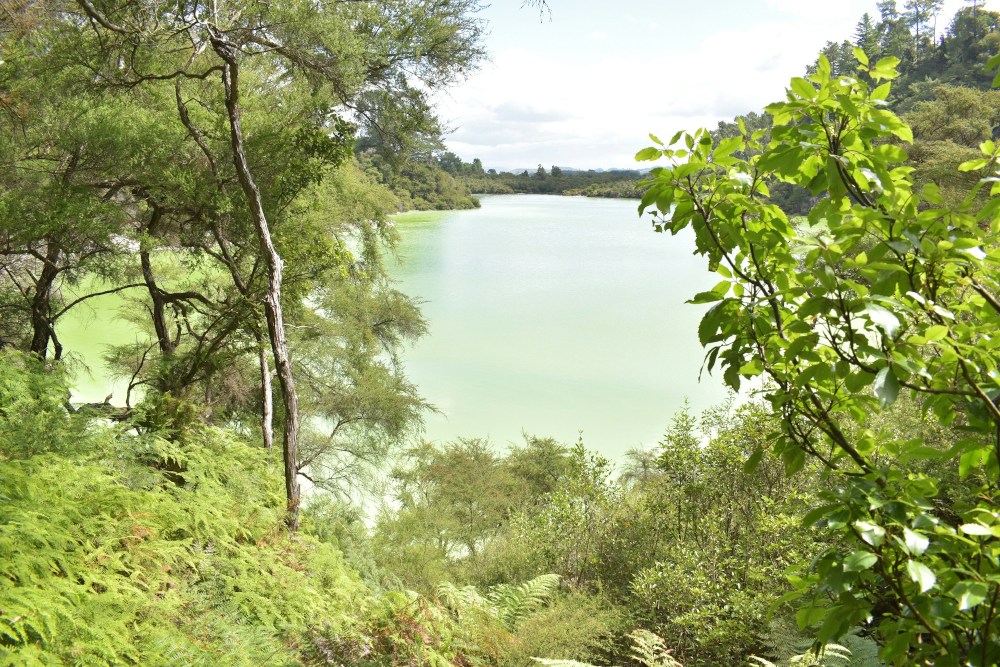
(585, 87)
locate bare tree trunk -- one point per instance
(272, 302)
(267, 400)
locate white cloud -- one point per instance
(580, 103)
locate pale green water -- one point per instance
(549, 315)
(553, 315)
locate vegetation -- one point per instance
(615, 183)
(895, 290)
(226, 168)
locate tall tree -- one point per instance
(919, 13)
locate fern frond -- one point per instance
(650, 650)
(829, 655)
(457, 600)
(562, 663)
(512, 604)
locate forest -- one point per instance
(262, 496)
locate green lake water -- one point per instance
(548, 315)
(554, 316)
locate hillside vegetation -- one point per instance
(227, 170)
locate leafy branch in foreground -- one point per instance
(888, 289)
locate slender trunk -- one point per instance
(267, 399)
(41, 303)
(159, 304)
(272, 301)
(167, 346)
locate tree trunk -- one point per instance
(41, 303)
(167, 346)
(267, 400)
(272, 301)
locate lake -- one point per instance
(554, 316)
(548, 315)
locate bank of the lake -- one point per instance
(554, 315)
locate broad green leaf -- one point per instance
(883, 318)
(754, 460)
(859, 560)
(809, 616)
(922, 575)
(870, 533)
(969, 594)
(936, 332)
(886, 386)
(803, 88)
(973, 165)
(976, 529)
(916, 543)
(649, 153)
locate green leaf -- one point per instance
(871, 533)
(649, 153)
(886, 386)
(803, 88)
(969, 593)
(976, 529)
(705, 297)
(809, 616)
(883, 318)
(882, 92)
(973, 165)
(916, 543)
(859, 53)
(936, 332)
(859, 560)
(753, 367)
(754, 460)
(921, 575)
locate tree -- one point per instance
(866, 35)
(887, 290)
(451, 499)
(279, 78)
(919, 13)
(946, 132)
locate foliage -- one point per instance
(895, 292)
(452, 499)
(510, 604)
(648, 650)
(120, 548)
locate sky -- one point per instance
(584, 87)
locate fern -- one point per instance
(459, 599)
(126, 548)
(648, 649)
(792, 648)
(830, 655)
(512, 604)
(509, 604)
